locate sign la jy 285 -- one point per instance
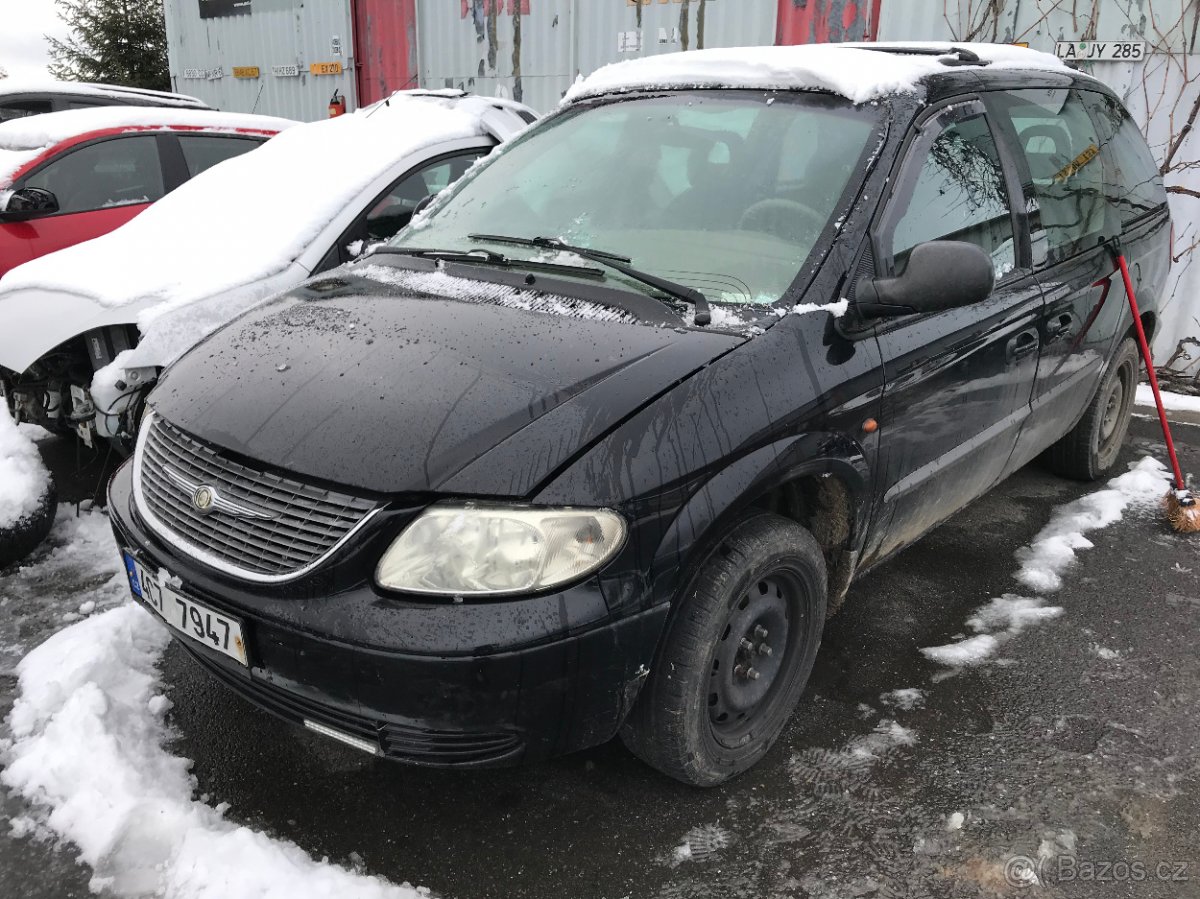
(1100, 51)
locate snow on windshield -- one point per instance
(851, 70)
(23, 140)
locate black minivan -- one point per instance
(597, 444)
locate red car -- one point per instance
(66, 177)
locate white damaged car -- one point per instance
(85, 331)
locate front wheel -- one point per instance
(736, 656)
(1092, 446)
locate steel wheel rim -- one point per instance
(755, 655)
(1115, 413)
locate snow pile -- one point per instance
(1053, 549)
(87, 752)
(851, 70)
(1173, 402)
(23, 140)
(23, 477)
(1046, 558)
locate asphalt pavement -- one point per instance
(1072, 756)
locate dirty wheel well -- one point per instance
(821, 504)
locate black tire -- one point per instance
(702, 716)
(1091, 448)
(26, 535)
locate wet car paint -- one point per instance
(870, 432)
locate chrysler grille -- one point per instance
(237, 518)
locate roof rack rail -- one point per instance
(964, 56)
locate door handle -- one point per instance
(1022, 345)
(1060, 326)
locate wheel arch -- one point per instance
(819, 480)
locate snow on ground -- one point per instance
(23, 476)
(1046, 559)
(87, 752)
(1173, 402)
(86, 743)
(851, 70)
(701, 844)
(905, 699)
(1053, 549)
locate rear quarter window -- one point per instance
(1132, 182)
(201, 151)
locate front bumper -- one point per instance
(469, 684)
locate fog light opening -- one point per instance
(348, 739)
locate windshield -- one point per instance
(723, 191)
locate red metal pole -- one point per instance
(1145, 348)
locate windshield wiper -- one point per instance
(487, 257)
(616, 261)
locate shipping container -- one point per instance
(280, 57)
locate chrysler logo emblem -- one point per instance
(202, 499)
(205, 498)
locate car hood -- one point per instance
(394, 392)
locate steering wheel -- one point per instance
(786, 219)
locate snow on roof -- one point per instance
(23, 140)
(854, 71)
(250, 217)
(11, 86)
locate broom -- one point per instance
(1182, 510)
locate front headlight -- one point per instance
(477, 549)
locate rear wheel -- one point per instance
(736, 657)
(1092, 446)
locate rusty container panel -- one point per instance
(821, 21)
(626, 29)
(385, 43)
(518, 49)
(534, 49)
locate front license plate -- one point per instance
(193, 619)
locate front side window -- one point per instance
(394, 210)
(959, 194)
(119, 172)
(201, 152)
(727, 192)
(1061, 146)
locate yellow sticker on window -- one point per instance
(1077, 163)
(325, 68)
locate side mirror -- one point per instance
(941, 274)
(26, 203)
(424, 204)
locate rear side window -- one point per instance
(1132, 181)
(202, 152)
(18, 109)
(959, 194)
(1062, 148)
(119, 172)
